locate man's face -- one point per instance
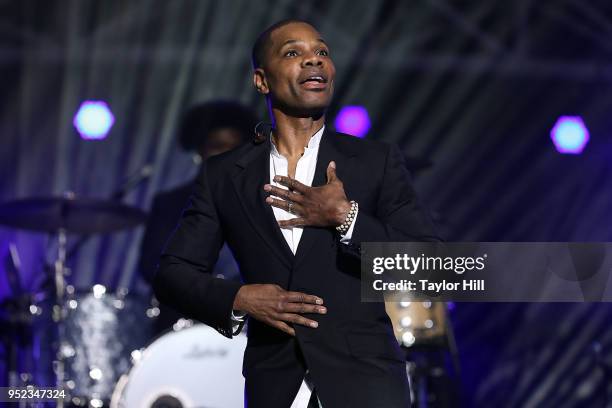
(297, 72)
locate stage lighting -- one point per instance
(93, 120)
(353, 120)
(570, 135)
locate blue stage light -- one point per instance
(93, 120)
(570, 135)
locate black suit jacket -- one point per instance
(353, 357)
(165, 212)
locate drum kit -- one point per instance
(93, 343)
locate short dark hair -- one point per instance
(201, 119)
(263, 40)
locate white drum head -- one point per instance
(196, 367)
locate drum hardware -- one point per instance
(15, 319)
(418, 323)
(423, 329)
(182, 324)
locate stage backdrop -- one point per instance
(474, 86)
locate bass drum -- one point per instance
(191, 366)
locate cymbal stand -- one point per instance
(59, 312)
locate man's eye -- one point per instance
(324, 53)
(291, 53)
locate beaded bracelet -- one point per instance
(344, 227)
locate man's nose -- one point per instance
(312, 60)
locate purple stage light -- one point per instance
(570, 135)
(353, 120)
(93, 120)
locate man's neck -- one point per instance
(292, 134)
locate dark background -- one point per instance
(475, 86)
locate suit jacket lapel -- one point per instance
(328, 151)
(248, 183)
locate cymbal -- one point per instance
(73, 214)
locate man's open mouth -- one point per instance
(314, 82)
(314, 78)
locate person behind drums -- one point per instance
(294, 210)
(206, 129)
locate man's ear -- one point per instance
(260, 82)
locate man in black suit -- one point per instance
(294, 210)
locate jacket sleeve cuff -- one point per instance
(225, 292)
